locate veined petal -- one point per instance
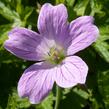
(36, 82)
(82, 33)
(26, 44)
(52, 22)
(72, 71)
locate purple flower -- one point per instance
(55, 46)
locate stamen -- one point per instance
(48, 54)
(55, 56)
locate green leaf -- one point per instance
(81, 93)
(26, 13)
(60, 1)
(15, 102)
(7, 12)
(96, 7)
(104, 33)
(80, 7)
(70, 2)
(102, 45)
(47, 103)
(103, 84)
(75, 98)
(4, 29)
(19, 6)
(103, 50)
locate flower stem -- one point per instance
(58, 97)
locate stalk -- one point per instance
(58, 96)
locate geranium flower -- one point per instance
(55, 46)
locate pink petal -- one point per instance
(52, 22)
(26, 44)
(72, 71)
(36, 82)
(82, 34)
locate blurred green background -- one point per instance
(25, 13)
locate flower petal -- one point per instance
(72, 71)
(26, 44)
(52, 22)
(82, 34)
(36, 82)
